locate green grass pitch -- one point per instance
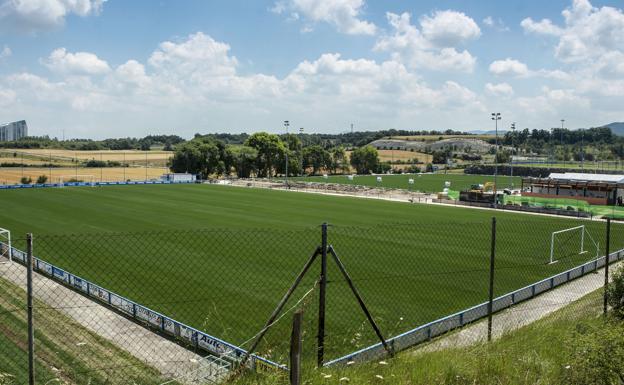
(227, 278)
(422, 182)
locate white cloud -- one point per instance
(489, 21)
(6, 52)
(499, 89)
(7, 97)
(75, 63)
(344, 15)
(197, 56)
(37, 15)
(542, 27)
(193, 83)
(433, 47)
(449, 28)
(588, 32)
(509, 67)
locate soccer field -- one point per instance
(422, 182)
(412, 263)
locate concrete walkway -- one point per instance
(522, 314)
(172, 360)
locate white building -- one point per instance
(179, 177)
(13, 131)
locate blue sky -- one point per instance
(100, 68)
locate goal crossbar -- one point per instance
(5, 250)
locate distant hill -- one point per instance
(617, 128)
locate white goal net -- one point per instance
(571, 242)
(88, 179)
(5, 246)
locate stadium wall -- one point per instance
(443, 325)
(146, 316)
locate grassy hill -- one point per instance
(66, 353)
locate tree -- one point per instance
(503, 156)
(317, 158)
(440, 156)
(365, 159)
(41, 179)
(244, 161)
(145, 145)
(26, 180)
(338, 160)
(203, 156)
(270, 149)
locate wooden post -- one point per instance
(296, 346)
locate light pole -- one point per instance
(513, 150)
(561, 138)
(286, 124)
(582, 150)
(496, 116)
(301, 153)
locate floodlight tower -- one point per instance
(301, 140)
(286, 124)
(561, 140)
(496, 116)
(513, 150)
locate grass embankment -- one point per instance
(573, 346)
(66, 353)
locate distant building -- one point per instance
(10, 132)
(181, 177)
(596, 189)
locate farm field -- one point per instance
(68, 157)
(412, 263)
(12, 175)
(422, 182)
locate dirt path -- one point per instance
(168, 358)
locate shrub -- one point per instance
(41, 179)
(615, 293)
(26, 180)
(596, 355)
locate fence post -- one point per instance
(491, 298)
(29, 301)
(296, 348)
(322, 294)
(606, 284)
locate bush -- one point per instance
(41, 179)
(596, 355)
(26, 180)
(615, 293)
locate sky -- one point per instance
(114, 68)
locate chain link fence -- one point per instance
(187, 306)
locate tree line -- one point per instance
(266, 155)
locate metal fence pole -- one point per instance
(322, 294)
(491, 298)
(296, 349)
(29, 291)
(606, 284)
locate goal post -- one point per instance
(6, 252)
(90, 179)
(576, 241)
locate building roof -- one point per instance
(577, 176)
